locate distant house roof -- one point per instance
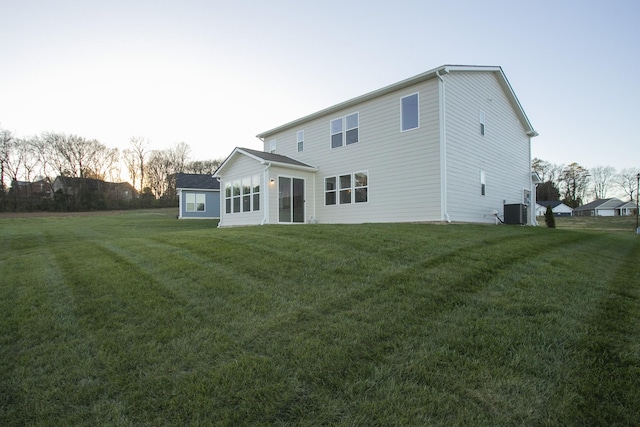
(601, 204)
(264, 157)
(196, 180)
(552, 203)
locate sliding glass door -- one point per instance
(290, 199)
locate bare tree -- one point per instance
(130, 160)
(203, 166)
(601, 179)
(140, 145)
(627, 181)
(158, 168)
(75, 156)
(575, 179)
(6, 140)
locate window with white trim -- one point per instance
(272, 146)
(345, 130)
(196, 202)
(482, 122)
(300, 140)
(242, 195)
(410, 112)
(330, 190)
(346, 189)
(483, 185)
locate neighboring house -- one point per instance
(628, 208)
(601, 207)
(41, 187)
(450, 144)
(111, 190)
(199, 196)
(557, 207)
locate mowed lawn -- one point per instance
(141, 319)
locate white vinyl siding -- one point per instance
(502, 153)
(243, 170)
(406, 165)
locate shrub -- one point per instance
(549, 218)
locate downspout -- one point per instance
(534, 191)
(443, 148)
(222, 204)
(265, 219)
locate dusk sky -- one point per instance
(214, 74)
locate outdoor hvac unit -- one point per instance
(515, 214)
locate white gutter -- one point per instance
(443, 147)
(265, 219)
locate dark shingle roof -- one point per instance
(601, 204)
(271, 157)
(552, 203)
(196, 180)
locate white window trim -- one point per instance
(483, 126)
(195, 202)
(300, 141)
(352, 188)
(343, 120)
(401, 111)
(250, 194)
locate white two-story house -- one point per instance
(450, 144)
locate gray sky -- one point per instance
(214, 74)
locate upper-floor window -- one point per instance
(300, 140)
(344, 130)
(410, 112)
(272, 146)
(481, 120)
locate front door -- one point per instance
(290, 199)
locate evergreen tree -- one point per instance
(549, 218)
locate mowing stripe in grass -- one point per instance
(612, 389)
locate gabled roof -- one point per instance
(197, 181)
(431, 74)
(627, 205)
(601, 204)
(552, 203)
(264, 158)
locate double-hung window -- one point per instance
(482, 123)
(410, 112)
(346, 189)
(300, 140)
(196, 202)
(330, 191)
(344, 130)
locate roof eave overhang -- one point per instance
(431, 74)
(240, 151)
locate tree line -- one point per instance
(576, 185)
(28, 165)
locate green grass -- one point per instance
(140, 319)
